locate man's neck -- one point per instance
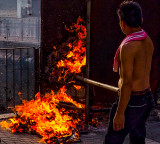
(132, 30)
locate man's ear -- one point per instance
(123, 24)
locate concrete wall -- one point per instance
(8, 8)
(8, 4)
(19, 8)
(22, 30)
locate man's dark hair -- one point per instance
(131, 13)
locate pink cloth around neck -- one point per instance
(136, 36)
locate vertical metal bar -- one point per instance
(6, 78)
(22, 29)
(43, 8)
(87, 106)
(36, 70)
(39, 29)
(27, 74)
(14, 76)
(21, 70)
(37, 25)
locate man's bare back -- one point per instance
(142, 52)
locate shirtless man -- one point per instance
(129, 113)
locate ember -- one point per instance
(46, 116)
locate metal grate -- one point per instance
(19, 75)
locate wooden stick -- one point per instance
(92, 82)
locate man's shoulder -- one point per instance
(132, 47)
(132, 44)
(128, 47)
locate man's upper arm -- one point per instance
(127, 61)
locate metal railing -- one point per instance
(19, 75)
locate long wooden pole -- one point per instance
(92, 82)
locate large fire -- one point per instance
(45, 115)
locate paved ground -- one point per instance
(96, 136)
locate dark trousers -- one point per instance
(136, 114)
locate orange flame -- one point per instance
(76, 57)
(19, 93)
(44, 117)
(77, 87)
